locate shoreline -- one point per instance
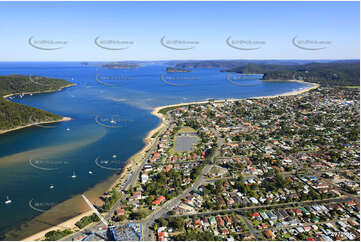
(293, 93)
(68, 224)
(63, 119)
(133, 161)
(40, 92)
(290, 93)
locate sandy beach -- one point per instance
(132, 164)
(291, 93)
(297, 92)
(64, 119)
(69, 224)
(136, 159)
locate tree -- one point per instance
(163, 222)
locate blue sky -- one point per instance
(272, 24)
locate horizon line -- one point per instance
(280, 59)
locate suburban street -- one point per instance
(163, 210)
(168, 206)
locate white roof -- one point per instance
(253, 200)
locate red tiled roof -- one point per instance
(158, 200)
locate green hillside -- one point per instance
(21, 84)
(327, 74)
(13, 115)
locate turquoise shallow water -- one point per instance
(111, 116)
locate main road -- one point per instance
(169, 205)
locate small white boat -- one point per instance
(90, 172)
(73, 176)
(67, 129)
(113, 121)
(51, 186)
(114, 156)
(7, 201)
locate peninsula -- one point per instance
(15, 116)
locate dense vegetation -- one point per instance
(156, 188)
(84, 221)
(55, 235)
(110, 201)
(327, 74)
(21, 84)
(13, 115)
(234, 63)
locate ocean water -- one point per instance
(110, 109)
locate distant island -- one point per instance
(14, 115)
(120, 65)
(173, 69)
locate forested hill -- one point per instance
(227, 64)
(14, 115)
(25, 84)
(328, 74)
